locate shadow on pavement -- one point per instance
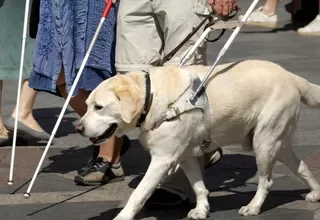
(67, 160)
(47, 118)
(230, 175)
(221, 177)
(63, 160)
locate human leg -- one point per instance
(4, 134)
(176, 185)
(138, 36)
(270, 7)
(111, 151)
(108, 156)
(27, 125)
(177, 24)
(28, 96)
(313, 28)
(264, 16)
(163, 32)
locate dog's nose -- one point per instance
(79, 128)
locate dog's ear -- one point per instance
(130, 100)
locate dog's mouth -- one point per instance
(108, 133)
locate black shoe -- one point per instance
(101, 172)
(165, 199)
(5, 141)
(95, 153)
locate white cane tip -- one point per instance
(26, 195)
(10, 183)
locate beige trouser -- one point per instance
(147, 30)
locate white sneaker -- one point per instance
(258, 18)
(312, 29)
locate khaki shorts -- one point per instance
(147, 30)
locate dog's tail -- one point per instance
(310, 93)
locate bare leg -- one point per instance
(264, 16)
(110, 151)
(3, 131)
(270, 7)
(28, 96)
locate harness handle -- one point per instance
(212, 21)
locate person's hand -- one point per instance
(223, 7)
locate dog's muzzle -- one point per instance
(100, 139)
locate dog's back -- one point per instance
(246, 95)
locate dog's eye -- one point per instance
(97, 107)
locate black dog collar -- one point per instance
(147, 101)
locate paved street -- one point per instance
(232, 182)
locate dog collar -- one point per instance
(147, 100)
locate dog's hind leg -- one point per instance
(247, 141)
(298, 167)
(265, 147)
(191, 168)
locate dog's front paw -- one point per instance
(198, 214)
(313, 196)
(249, 210)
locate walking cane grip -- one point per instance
(107, 9)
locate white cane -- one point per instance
(24, 36)
(74, 85)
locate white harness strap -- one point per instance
(182, 104)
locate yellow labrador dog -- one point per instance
(253, 103)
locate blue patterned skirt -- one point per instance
(65, 30)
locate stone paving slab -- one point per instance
(232, 185)
(282, 45)
(221, 208)
(65, 211)
(107, 210)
